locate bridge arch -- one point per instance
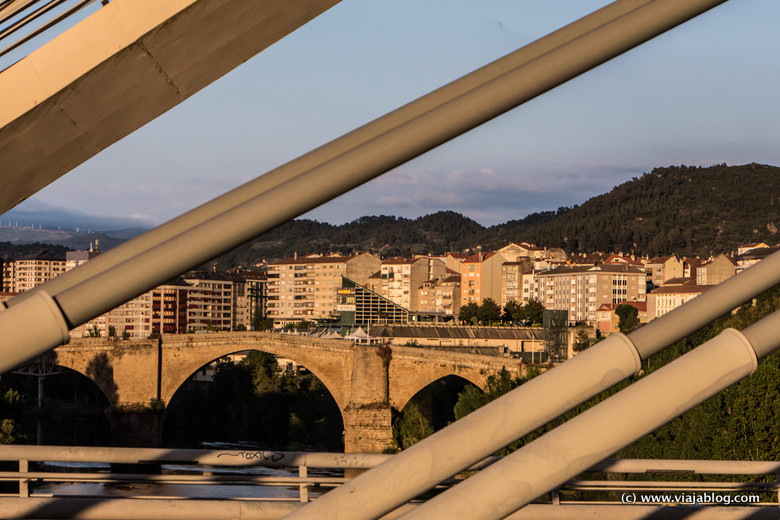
(183, 356)
(412, 369)
(95, 359)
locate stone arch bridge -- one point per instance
(365, 381)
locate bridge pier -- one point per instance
(134, 426)
(368, 423)
(368, 428)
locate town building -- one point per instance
(30, 271)
(210, 300)
(607, 319)
(305, 289)
(669, 297)
(715, 271)
(517, 281)
(744, 248)
(581, 290)
(440, 297)
(254, 298)
(400, 279)
(452, 261)
(74, 259)
(662, 268)
(481, 278)
(752, 256)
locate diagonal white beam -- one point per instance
(117, 70)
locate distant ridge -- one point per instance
(682, 210)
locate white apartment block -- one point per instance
(25, 273)
(665, 299)
(581, 290)
(305, 289)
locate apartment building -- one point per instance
(251, 301)
(305, 289)
(440, 296)
(74, 259)
(29, 271)
(452, 261)
(669, 297)
(516, 284)
(753, 256)
(514, 251)
(715, 271)
(400, 279)
(170, 307)
(132, 319)
(210, 301)
(662, 268)
(581, 290)
(481, 278)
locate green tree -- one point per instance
(582, 340)
(11, 405)
(740, 423)
(413, 427)
(265, 371)
(489, 311)
(513, 311)
(629, 317)
(533, 310)
(496, 385)
(468, 311)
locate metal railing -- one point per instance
(230, 470)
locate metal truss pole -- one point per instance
(572, 448)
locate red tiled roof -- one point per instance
(681, 289)
(475, 258)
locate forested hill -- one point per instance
(681, 210)
(385, 235)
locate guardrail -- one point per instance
(177, 467)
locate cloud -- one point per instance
(489, 194)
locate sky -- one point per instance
(704, 93)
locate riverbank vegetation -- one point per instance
(253, 400)
(740, 423)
